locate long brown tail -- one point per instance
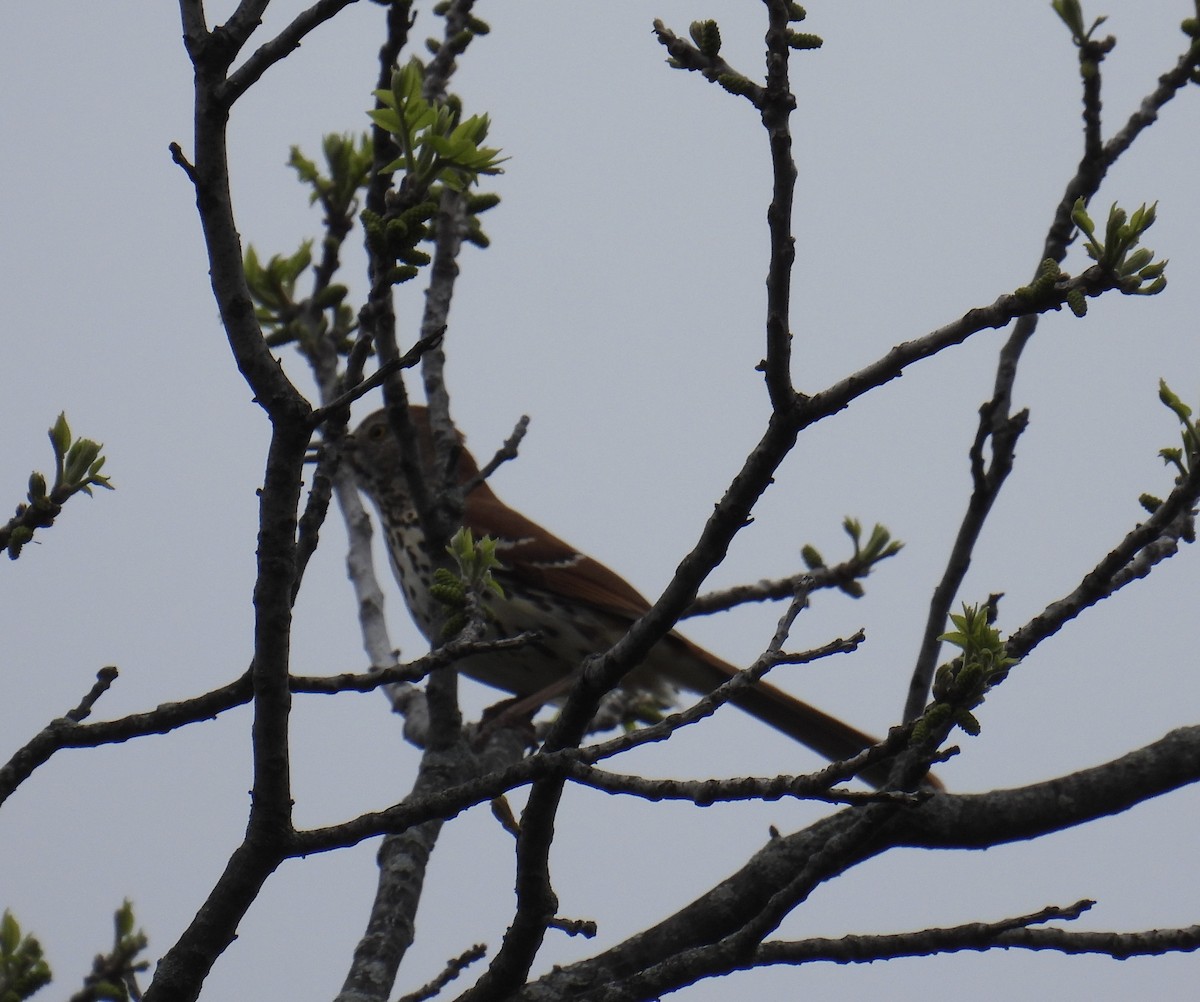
(824, 734)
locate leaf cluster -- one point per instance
(879, 546)
(960, 685)
(349, 159)
(113, 977)
(707, 36)
(283, 317)
(436, 144)
(438, 149)
(23, 970)
(462, 593)
(1183, 458)
(456, 43)
(1137, 271)
(77, 465)
(704, 54)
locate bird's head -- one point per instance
(376, 458)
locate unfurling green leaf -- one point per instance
(1181, 458)
(60, 435)
(707, 37)
(23, 970)
(1071, 14)
(960, 685)
(1119, 252)
(475, 561)
(1169, 397)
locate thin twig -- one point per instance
(454, 967)
(281, 46)
(995, 423)
(506, 453)
(921, 943)
(380, 376)
(105, 677)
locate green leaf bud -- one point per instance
(935, 717)
(480, 203)
(331, 295)
(37, 486)
(1150, 502)
(1136, 261)
(802, 40)
(736, 84)
(812, 557)
(402, 273)
(1080, 218)
(943, 681)
(448, 592)
(414, 257)
(60, 435)
(969, 679)
(454, 625)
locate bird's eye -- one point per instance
(377, 432)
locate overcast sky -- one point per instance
(621, 307)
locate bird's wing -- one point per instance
(538, 559)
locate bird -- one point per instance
(574, 605)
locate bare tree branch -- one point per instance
(778, 103)
(709, 935)
(1144, 546)
(996, 424)
(282, 45)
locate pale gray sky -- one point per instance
(621, 307)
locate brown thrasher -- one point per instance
(575, 605)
